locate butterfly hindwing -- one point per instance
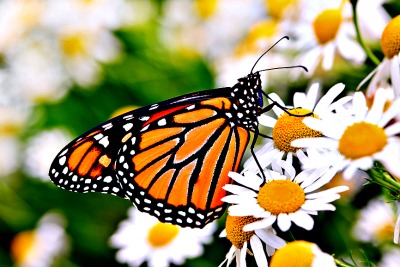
(176, 167)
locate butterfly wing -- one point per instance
(175, 167)
(170, 159)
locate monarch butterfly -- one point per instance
(172, 158)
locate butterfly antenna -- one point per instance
(286, 67)
(284, 37)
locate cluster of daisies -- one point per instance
(313, 141)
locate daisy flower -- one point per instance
(390, 66)
(287, 128)
(157, 243)
(301, 253)
(360, 136)
(327, 29)
(242, 241)
(283, 198)
(41, 246)
(375, 222)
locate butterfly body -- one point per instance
(170, 159)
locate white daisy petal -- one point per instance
(328, 98)
(251, 183)
(245, 210)
(243, 253)
(264, 223)
(393, 129)
(376, 110)
(299, 100)
(333, 190)
(360, 106)
(277, 110)
(266, 120)
(258, 251)
(395, 71)
(236, 199)
(318, 206)
(317, 142)
(284, 222)
(239, 190)
(328, 57)
(302, 219)
(270, 238)
(393, 111)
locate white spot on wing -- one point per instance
(62, 160)
(128, 126)
(104, 141)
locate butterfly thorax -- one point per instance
(247, 102)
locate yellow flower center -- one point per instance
(385, 232)
(73, 44)
(294, 254)
(234, 229)
(22, 245)
(276, 8)
(205, 8)
(327, 24)
(281, 196)
(289, 128)
(161, 234)
(390, 41)
(362, 139)
(257, 37)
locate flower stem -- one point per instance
(369, 53)
(384, 179)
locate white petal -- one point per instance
(316, 206)
(376, 111)
(239, 190)
(245, 210)
(350, 49)
(270, 238)
(264, 223)
(300, 100)
(333, 190)
(258, 251)
(284, 222)
(235, 199)
(251, 183)
(266, 121)
(243, 253)
(329, 56)
(393, 129)
(393, 111)
(278, 111)
(360, 106)
(302, 219)
(317, 142)
(328, 98)
(395, 71)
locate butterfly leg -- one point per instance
(253, 144)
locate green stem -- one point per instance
(342, 264)
(369, 53)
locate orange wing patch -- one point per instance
(202, 186)
(78, 154)
(180, 190)
(155, 136)
(145, 177)
(218, 102)
(196, 139)
(146, 157)
(159, 189)
(194, 116)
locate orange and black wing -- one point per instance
(176, 167)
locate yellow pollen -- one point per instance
(362, 139)
(206, 8)
(22, 245)
(234, 229)
(276, 8)
(327, 24)
(385, 232)
(281, 196)
(73, 45)
(161, 234)
(294, 254)
(289, 128)
(390, 41)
